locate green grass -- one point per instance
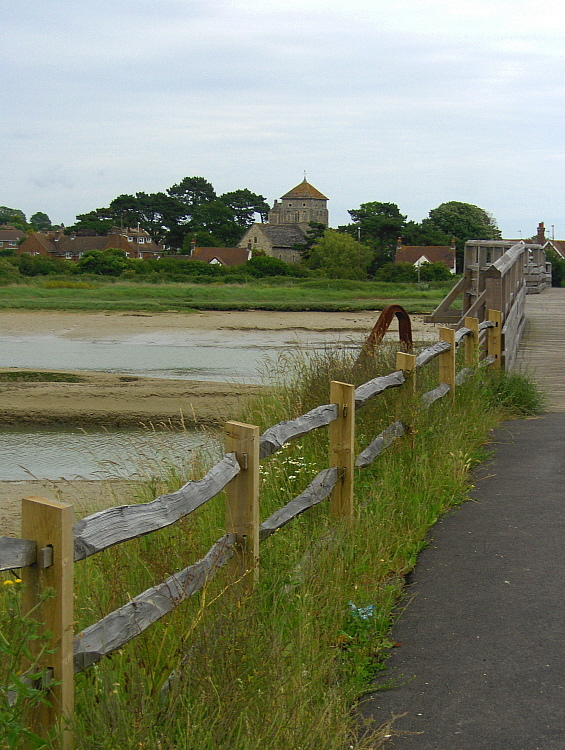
(283, 669)
(276, 294)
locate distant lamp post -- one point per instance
(359, 247)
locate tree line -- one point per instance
(191, 209)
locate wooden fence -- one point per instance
(51, 544)
(497, 275)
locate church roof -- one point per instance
(282, 235)
(304, 190)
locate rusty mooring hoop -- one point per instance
(382, 325)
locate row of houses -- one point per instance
(135, 242)
(285, 230)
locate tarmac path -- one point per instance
(481, 665)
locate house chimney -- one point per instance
(453, 243)
(192, 246)
(540, 237)
(399, 243)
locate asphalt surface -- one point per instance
(481, 661)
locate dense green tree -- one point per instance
(378, 225)
(464, 221)
(97, 222)
(14, 217)
(40, 221)
(217, 219)
(338, 256)
(192, 191)
(245, 205)
(424, 233)
(157, 213)
(313, 234)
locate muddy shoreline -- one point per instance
(128, 401)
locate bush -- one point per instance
(404, 272)
(9, 274)
(110, 262)
(557, 268)
(265, 266)
(39, 265)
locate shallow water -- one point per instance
(72, 453)
(198, 355)
(53, 453)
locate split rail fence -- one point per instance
(52, 543)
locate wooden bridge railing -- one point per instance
(497, 275)
(52, 544)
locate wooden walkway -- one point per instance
(542, 351)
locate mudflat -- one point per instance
(122, 400)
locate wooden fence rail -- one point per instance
(53, 543)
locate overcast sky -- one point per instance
(414, 102)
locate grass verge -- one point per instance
(277, 294)
(283, 669)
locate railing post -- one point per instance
(342, 449)
(447, 359)
(50, 524)
(494, 337)
(242, 502)
(472, 342)
(407, 363)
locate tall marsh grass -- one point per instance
(283, 669)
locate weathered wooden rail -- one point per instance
(497, 275)
(52, 544)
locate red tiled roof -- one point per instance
(228, 256)
(434, 254)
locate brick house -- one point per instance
(10, 237)
(136, 243)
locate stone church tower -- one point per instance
(301, 205)
(288, 223)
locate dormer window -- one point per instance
(141, 240)
(130, 239)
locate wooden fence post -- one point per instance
(50, 524)
(447, 359)
(242, 506)
(494, 337)
(342, 448)
(407, 363)
(472, 343)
